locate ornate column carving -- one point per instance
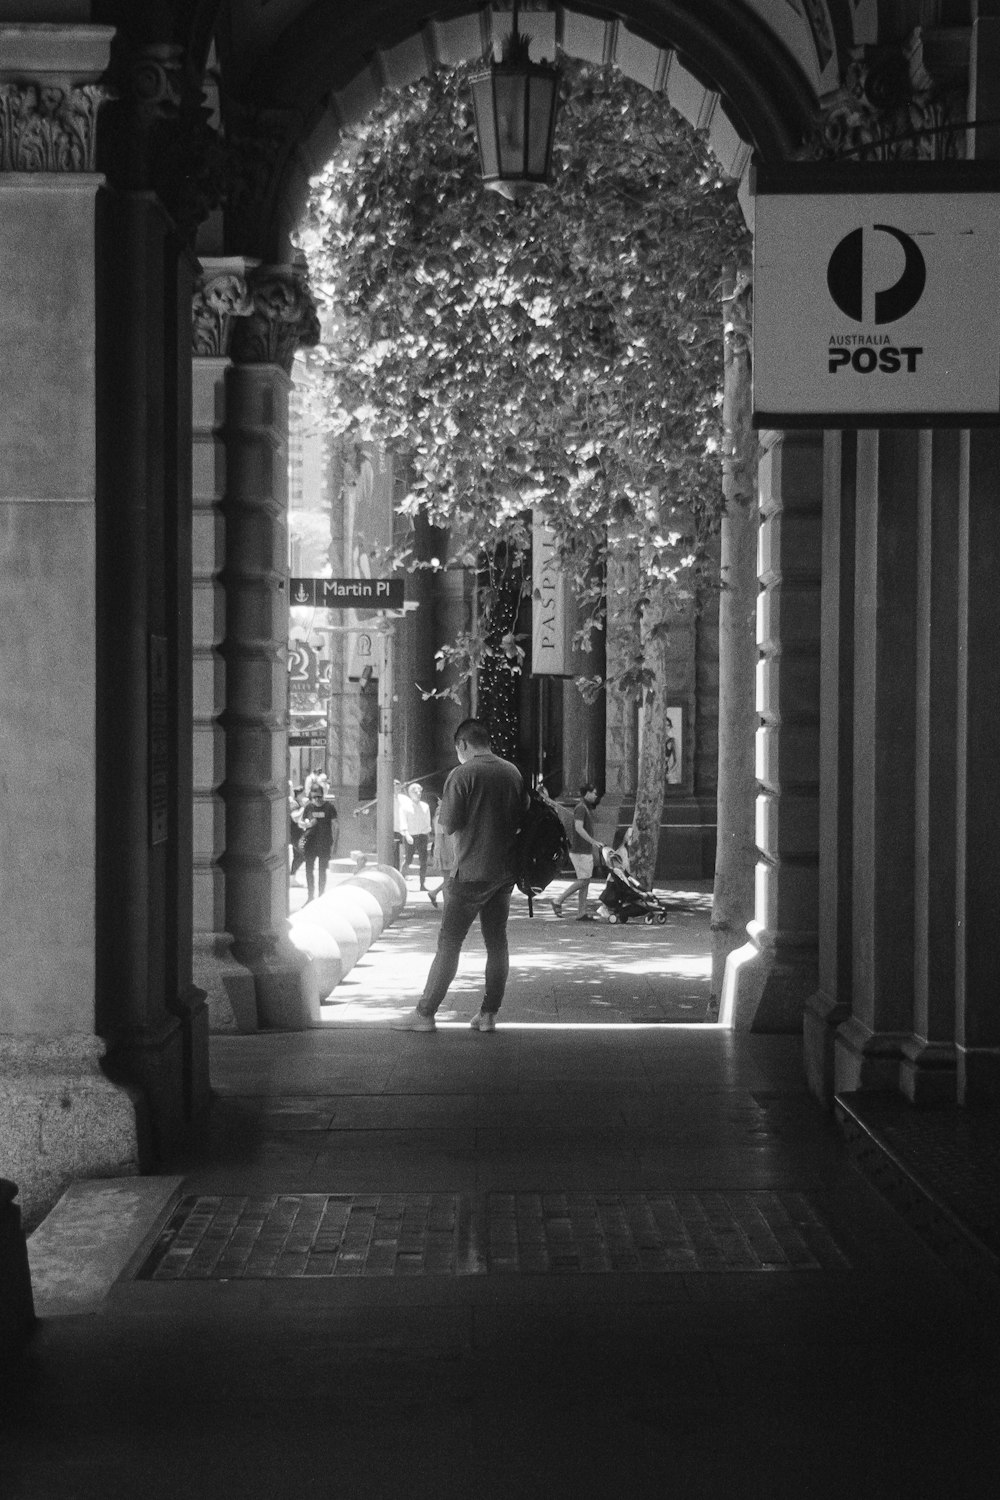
(162, 138)
(221, 294)
(282, 320)
(890, 108)
(48, 129)
(50, 96)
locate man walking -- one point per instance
(419, 826)
(480, 807)
(582, 848)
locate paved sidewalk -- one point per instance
(567, 1260)
(561, 970)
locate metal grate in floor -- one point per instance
(462, 1234)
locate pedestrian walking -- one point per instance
(582, 848)
(480, 809)
(402, 838)
(296, 837)
(419, 821)
(443, 857)
(320, 827)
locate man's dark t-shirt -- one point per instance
(319, 833)
(582, 813)
(481, 807)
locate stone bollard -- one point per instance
(338, 927)
(17, 1308)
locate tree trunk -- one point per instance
(733, 898)
(652, 750)
(621, 739)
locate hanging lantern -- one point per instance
(515, 103)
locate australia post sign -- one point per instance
(877, 295)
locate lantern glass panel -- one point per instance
(486, 130)
(511, 96)
(540, 113)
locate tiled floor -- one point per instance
(873, 1374)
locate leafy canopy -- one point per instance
(561, 353)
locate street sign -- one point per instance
(877, 295)
(347, 593)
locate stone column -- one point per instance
(868, 1047)
(221, 295)
(60, 1117)
(255, 645)
(977, 1029)
(769, 979)
(830, 1006)
(928, 1069)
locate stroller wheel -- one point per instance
(661, 920)
(649, 920)
(612, 919)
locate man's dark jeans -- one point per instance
(464, 900)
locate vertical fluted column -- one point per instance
(869, 1044)
(255, 644)
(928, 1066)
(830, 1006)
(977, 1030)
(220, 296)
(977, 1014)
(769, 979)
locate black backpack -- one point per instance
(540, 848)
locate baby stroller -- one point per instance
(623, 898)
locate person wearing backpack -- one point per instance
(583, 847)
(480, 809)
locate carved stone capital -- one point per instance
(156, 84)
(48, 127)
(221, 294)
(283, 320)
(161, 136)
(888, 108)
(50, 93)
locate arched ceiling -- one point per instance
(747, 72)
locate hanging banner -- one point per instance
(552, 613)
(877, 295)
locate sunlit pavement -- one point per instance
(611, 1250)
(562, 972)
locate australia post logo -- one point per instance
(876, 276)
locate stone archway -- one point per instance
(94, 494)
(744, 117)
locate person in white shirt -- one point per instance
(401, 809)
(419, 824)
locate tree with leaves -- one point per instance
(560, 354)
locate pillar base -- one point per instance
(170, 1066)
(766, 984)
(61, 1118)
(228, 985)
(286, 1000)
(865, 1059)
(820, 1021)
(928, 1072)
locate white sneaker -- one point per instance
(413, 1021)
(485, 1021)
